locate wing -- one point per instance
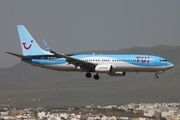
(84, 65)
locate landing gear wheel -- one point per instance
(156, 77)
(88, 75)
(96, 77)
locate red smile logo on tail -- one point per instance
(27, 48)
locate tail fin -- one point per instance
(28, 44)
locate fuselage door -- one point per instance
(151, 61)
(42, 60)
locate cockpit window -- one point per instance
(163, 60)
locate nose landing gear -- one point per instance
(156, 76)
(158, 72)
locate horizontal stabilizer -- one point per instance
(18, 55)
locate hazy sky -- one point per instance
(88, 25)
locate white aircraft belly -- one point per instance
(136, 68)
(122, 66)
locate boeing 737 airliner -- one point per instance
(111, 64)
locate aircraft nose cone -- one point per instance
(170, 65)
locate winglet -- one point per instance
(46, 46)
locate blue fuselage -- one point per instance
(120, 62)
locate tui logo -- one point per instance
(27, 47)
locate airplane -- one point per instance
(111, 64)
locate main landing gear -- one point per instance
(88, 75)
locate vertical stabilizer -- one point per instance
(28, 44)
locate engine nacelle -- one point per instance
(117, 73)
(103, 68)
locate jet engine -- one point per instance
(103, 68)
